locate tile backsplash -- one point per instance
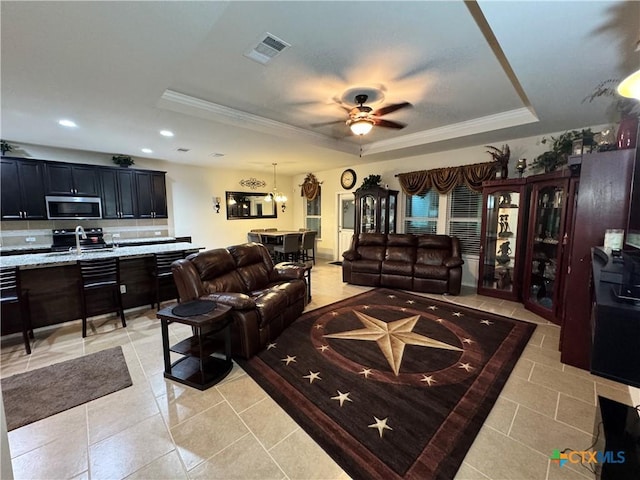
(37, 233)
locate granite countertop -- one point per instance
(56, 259)
(27, 248)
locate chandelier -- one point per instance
(276, 195)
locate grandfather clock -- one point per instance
(376, 210)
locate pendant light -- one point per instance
(276, 195)
(360, 126)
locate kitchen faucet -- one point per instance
(79, 232)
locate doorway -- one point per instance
(346, 222)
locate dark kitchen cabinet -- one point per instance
(376, 210)
(71, 179)
(503, 242)
(151, 194)
(22, 194)
(602, 203)
(118, 192)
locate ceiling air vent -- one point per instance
(267, 48)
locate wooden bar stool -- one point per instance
(11, 293)
(162, 271)
(99, 275)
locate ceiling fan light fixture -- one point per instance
(630, 86)
(360, 126)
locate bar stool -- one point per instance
(99, 275)
(11, 293)
(162, 271)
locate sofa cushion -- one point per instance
(366, 266)
(439, 272)
(213, 263)
(402, 240)
(397, 268)
(431, 256)
(270, 303)
(442, 242)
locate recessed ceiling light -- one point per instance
(67, 123)
(147, 150)
(166, 133)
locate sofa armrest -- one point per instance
(287, 271)
(351, 255)
(451, 262)
(237, 301)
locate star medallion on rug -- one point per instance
(391, 384)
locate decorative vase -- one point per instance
(627, 132)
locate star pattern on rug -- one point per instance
(391, 337)
(323, 348)
(342, 397)
(429, 379)
(486, 322)
(457, 314)
(270, 346)
(312, 376)
(381, 425)
(432, 307)
(289, 359)
(466, 366)
(366, 372)
(467, 340)
(319, 326)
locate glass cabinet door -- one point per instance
(368, 214)
(392, 214)
(545, 236)
(501, 242)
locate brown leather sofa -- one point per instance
(422, 263)
(264, 299)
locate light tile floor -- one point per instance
(158, 429)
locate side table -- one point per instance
(198, 368)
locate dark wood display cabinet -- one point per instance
(376, 210)
(547, 236)
(503, 242)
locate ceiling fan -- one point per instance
(363, 118)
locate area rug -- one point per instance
(336, 263)
(390, 384)
(32, 396)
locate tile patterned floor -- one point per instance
(158, 429)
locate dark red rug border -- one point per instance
(436, 460)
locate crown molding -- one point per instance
(511, 118)
(188, 105)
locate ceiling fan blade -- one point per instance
(379, 122)
(391, 108)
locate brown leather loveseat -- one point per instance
(422, 263)
(264, 299)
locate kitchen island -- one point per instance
(52, 281)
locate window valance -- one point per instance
(445, 179)
(310, 188)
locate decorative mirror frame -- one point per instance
(248, 205)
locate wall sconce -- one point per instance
(521, 166)
(217, 204)
(284, 207)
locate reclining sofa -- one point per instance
(264, 299)
(422, 263)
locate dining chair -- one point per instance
(11, 293)
(290, 247)
(161, 271)
(270, 229)
(96, 275)
(257, 230)
(254, 237)
(308, 243)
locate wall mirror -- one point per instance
(249, 205)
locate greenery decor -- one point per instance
(370, 181)
(561, 148)
(501, 156)
(625, 107)
(5, 147)
(122, 160)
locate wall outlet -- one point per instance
(123, 289)
(30, 239)
(158, 233)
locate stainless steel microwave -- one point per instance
(79, 208)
